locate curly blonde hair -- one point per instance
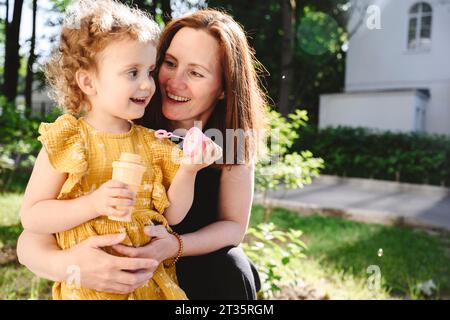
(89, 26)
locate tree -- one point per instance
(12, 59)
(166, 10)
(281, 168)
(141, 4)
(287, 55)
(152, 6)
(31, 60)
(310, 73)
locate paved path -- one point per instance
(372, 201)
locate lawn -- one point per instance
(16, 282)
(340, 252)
(338, 255)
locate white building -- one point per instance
(398, 76)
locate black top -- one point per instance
(204, 210)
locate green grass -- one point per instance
(16, 281)
(339, 252)
(347, 248)
(9, 208)
(10, 228)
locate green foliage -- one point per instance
(281, 168)
(18, 144)
(18, 283)
(61, 5)
(315, 72)
(272, 250)
(318, 33)
(365, 153)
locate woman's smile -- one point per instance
(177, 98)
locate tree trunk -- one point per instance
(166, 10)
(6, 32)
(140, 4)
(12, 59)
(7, 16)
(287, 55)
(136, 3)
(30, 72)
(153, 7)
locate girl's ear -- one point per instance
(222, 95)
(85, 81)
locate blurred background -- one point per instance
(358, 207)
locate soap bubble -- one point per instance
(380, 252)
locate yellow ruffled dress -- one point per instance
(86, 156)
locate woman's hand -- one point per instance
(104, 272)
(162, 246)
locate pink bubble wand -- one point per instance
(193, 139)
(163, 134)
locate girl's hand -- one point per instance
(109, 196)
(201, 156)
(104, 272)
(162, 246)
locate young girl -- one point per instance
(103, 70)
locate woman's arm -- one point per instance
(39, 253)
(235, 201)
(98, 270)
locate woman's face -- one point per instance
(190, 78)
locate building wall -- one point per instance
(379, 59)
(394, 111)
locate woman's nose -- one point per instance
(176, 80)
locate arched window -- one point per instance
(419, 31)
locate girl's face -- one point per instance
(123, 82)
(190, 78)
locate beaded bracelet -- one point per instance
(180, 250)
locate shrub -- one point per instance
(272, 250)
(282, 167)
(18, 144)
(366, 153)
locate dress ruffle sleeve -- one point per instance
(66, 152)
(166, 159)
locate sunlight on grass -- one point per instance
(339, 246)
(9, 209)
(337, 285)
(16, 282)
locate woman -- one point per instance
(206, 77)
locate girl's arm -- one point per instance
(181, 190)
(181, 195)
(42, 213)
